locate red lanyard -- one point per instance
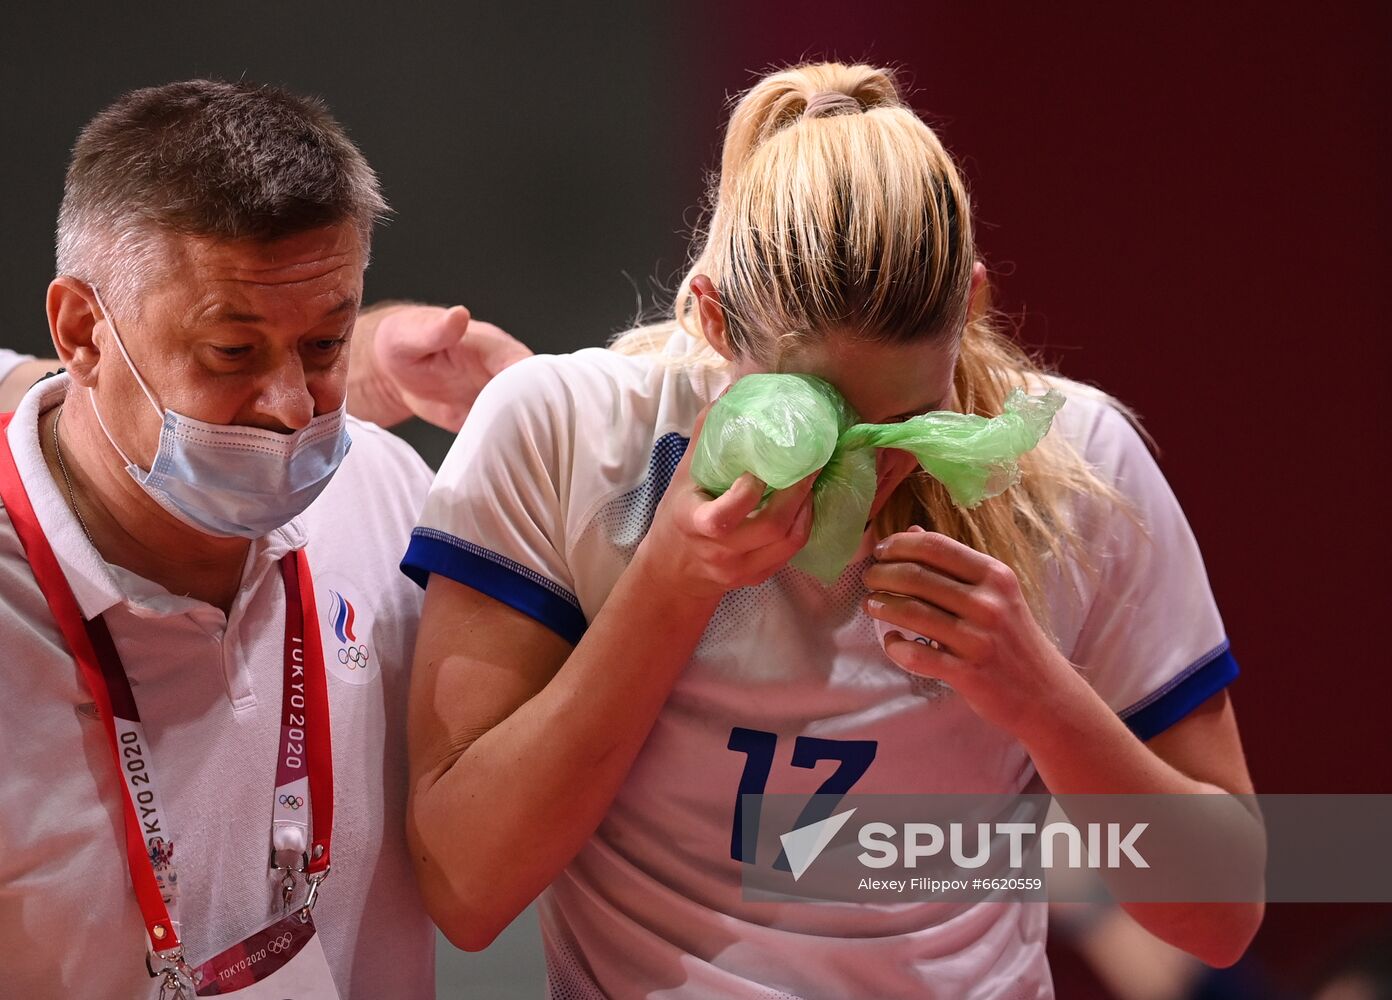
(147, 835)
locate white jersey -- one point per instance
(208, 687)
(541, 503)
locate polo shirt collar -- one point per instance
(97, 585)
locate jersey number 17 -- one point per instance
(808, 751)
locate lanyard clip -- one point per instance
(287, 884)
(314, 881)
(175, 975)
(289, 866)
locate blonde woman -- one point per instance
(608, 656)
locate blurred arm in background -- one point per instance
(17, 373)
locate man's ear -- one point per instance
(73, 315)
(711, 315)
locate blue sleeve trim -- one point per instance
(499, 577)
(1183, 693)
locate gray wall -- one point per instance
(537, 173)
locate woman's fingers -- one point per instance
(925, 661)
(738, 538)
(720, 517)
(776, 520)
(927, 620)
(758, 564)
(923, 582)
(801, 529)
(937, 550)
(728, 519)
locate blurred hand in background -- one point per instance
(425, 361)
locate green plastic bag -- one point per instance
(782, 428)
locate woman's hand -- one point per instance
(988, 645)
(702, 547)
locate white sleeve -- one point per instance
(495, 516)
(1152, 643)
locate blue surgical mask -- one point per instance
(229, 480)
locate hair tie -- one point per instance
(830, 102)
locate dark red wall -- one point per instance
(1190, 208)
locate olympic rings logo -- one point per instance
(291, 801)
(280, 944)
(354, 657)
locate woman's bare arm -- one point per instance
(519, 743)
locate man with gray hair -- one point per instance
(202, 718)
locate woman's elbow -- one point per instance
(467, 930)
(457, 906)
(461, 913)
(1226, 950)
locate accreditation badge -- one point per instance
(282, 961)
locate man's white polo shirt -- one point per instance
(208, 687)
